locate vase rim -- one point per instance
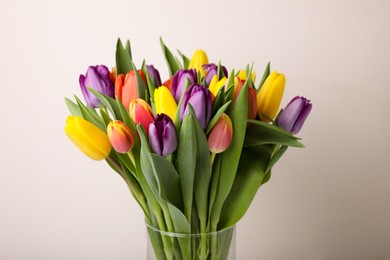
(174, 234)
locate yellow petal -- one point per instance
(242, 75)
(198, 60)
(88, 138)
(215, 85)
(270, 95)
(164, 102)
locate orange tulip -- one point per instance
(126, 87)
(221, 135)
(120, 136)
(252, 101)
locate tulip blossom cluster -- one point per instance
(186, 145)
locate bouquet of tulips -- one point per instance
(194, 149)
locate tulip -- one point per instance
(162, 135)
(294, 115)
(270, 96)
(216, 85)
(141, 113)
(154, 75)
(90, 139)
(212, 70)
(200, 99)
(120, 136)
(198, 60)
(126, 87)
(98, 78)
(164, 102)
(252, 106)
(221, 135)
(179, 80)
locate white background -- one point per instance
(327, 201)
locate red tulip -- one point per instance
(141, 113)
(120, 136)
(221, 135)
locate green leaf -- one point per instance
(169, 181)
(214, 183)
(109, 103)
(88, 115)
(128, 48)
(231, 156)
(123, 58)
(265, 76)
(215, 118)
(186, 160)
(219, 100)
(173, 64)
(73, 108)
(250, 174)
(186, 60)
(264, 133)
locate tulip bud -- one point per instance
(221, 135)
(98, 78)
(294, 115)
(179, 80)
(270, 96)
(90, 139)
(198, 60)
(126, 87)
(212, 70)
(120, 136)
(162, 135)
(154, 75)
(216, 85)
(252, 106)
(200, 99)
(164, 102)
(141, 113)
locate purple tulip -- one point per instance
(200, 99)
(98, 78)
(294, 115)
(154, 76)
(212, 70)
(162, 135)
(179, 81)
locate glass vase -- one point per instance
(218, 245)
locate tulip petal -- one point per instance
(154, 139)
(302, 118)
(164, 102)
(169, 139)
(85, 91)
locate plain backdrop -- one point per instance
(327, 201)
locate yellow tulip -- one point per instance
(216, 85)
(242, 75)
(88, 138)
(198, 60)
(164, 102)
(270, 96)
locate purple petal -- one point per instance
(169, 139)
(290, 114)
(154, 139)
(301, 119)
(154, 75)
(85, 91)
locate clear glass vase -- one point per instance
(218, 245)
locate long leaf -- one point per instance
(173, 64)
(186, 160)
(215, 118)
(73, 108)
(123, 58)
(250, 174)
(109, 103)
(264, 133)
(265, 76)
(90, 116)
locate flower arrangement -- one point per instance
(194, 149)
